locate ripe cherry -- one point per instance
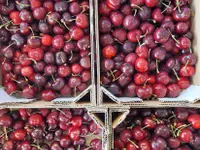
(141, 65)
(151, 3)
(48, 95)
(109, 51)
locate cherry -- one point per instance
(186, 135)
(161, 35)
(194, 120)
(9, 145)
(134, 35)
(136, 3)
(125, 136)
(109, 51)
(184, 43)
(159, 90)
(187, 71)
(39, 13)
(104, 9)
(144, 13)
(163, 78)
(144, 92)
(173, 90)
(113, 4)
(58, 41)
(141, 65)
(147, 28)
(36, 54)
(119, 35)
(151, 3)
(140, 78)
(130, 146)
(188, 59)
(27, 71)
(158, 143)
(18, 135)
(127, 69)
(76, 33)
(96, 144)
(142, 51)
(74, 133)
(138, 133)
(28, 92)
(182, 15)
(82, 21)
(55, 146)
(144, 144)
(128, 47)
(157, 15)
(149, 41)
(15, 17)
(131, 22)
(116, 18)
(10, 87)
(149, 123)
(46, 40)
(124, 80)
(48, 95)
(118, 143)
(6, 121)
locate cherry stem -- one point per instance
(12, 30)
(175, 73)
(144, 34)
(62, 21)
(152, 20)
(173, 116)
(37, 146)
(173, 37)
(53, 78)
(117, 78)
(131, 127)
(138, 41)
(9, 46)
(5, 24)
(178, 6)
(167, 6)
(71, 56)
(157, 69)
(15, 80)
(118, 41)
(4, 61)
(79, 147)
(145, 83)
(133, 143)
(179, 129)
(6, 133)
(15, 92)
(23, 5)
(135, 12)
(26, 79)
(32, 60)
(112, 74)
(54, 19)
(133, 5)
(33, 35)
(145, 127)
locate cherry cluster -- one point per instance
(45, 47)
(159, 129)
(146, 47)
(48, 129)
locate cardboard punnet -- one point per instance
(91, 90)
(190, 95)
(102, 123)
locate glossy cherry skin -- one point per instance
(161, 35)
(151, 3)
(141, 65)
(144, 92)
(173, 90)
(184, 15)
(159, 90)
(194, 120)
(186, 135)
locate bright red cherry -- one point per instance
(151, 3)
(141, 65)
(46, 40)
(194, 119)
(14, 16)
(186, 135)
(27, 71)
(35, 120)
(109, 51)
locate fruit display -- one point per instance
(146, 47)
(48, 129)
(159, 129)
(45, 48)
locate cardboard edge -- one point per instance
(117, 121)
(91, 112)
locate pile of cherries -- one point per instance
(48, 129)
(146, 47)
(45, 47)
(159, 129)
